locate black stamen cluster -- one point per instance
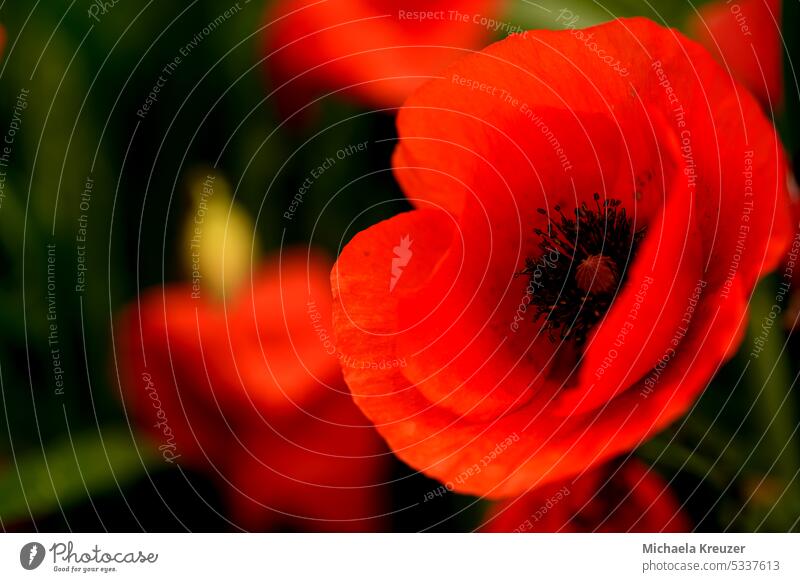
(604, 230)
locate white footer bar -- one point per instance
(401, 557)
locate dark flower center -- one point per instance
(582, 265)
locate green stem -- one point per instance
(679, 457)
(769, 382)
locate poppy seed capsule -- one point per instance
(597, 274)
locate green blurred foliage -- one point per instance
(69, 471)
(551, 14)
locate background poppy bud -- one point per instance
(745, 36)
(620, 497)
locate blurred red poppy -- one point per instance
(745, 36)
(586, 237)
(253, 393)
(378, 52)
(626, 497)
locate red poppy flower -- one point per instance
(251, 393)
(626, 497)
(745, 37)
(594, 208)
(377, 51)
